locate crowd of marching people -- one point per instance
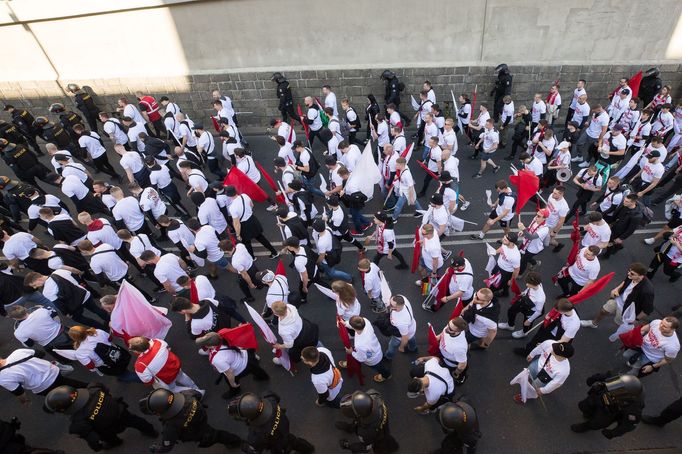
(182, 215)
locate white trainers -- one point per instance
(577, 159)
(465, 205)
(649, 240)
(584, 164)
(272, 207)
(63, 368)
(519, 334)
(587, 324)
(203, 352)
(418, 283)
(277, 361)
(505, 326)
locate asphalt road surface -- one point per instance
(506, 426)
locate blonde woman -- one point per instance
(347, 304)
(95, 351)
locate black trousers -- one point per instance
(377, 257)
(63, 381)
(102, 164)
(348, 237)
(312, 136)
(516, 144)
(149, 271)
(243, 286)
(541, 335)
(516, 309)
(91, 118)
(425, 184)
(254, 368)
(209, 436)
(670, 413)
(568, 286)
(124, 253)
(669, 269)
(526, 258)
(352, 138)
(505, 276)
(583, 198)
(673, 189)
(91, 306)
(288, 111)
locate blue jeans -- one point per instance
(310, 186)
(402, 200)
(334, 274)
(359, 220)
(36, 298)
(222, 263)
(425, 153)
(394, 343)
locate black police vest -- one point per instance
(21, 156)
(10, 132)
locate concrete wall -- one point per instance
(186, 48)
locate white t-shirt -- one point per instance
(104, 259)
(39, 327)
(207, 240)
(405, 182)
(226, 359)
(92, 145)
(35, 375)
(507, 204)
(18, 246)
(538, 244)
(490, 137)
(538, 110)
(51, 289)
(453, 349)
(241, 259)
(128, 210)
(481, 326)
(463, 281)
(347, 312)
(114, 130)
(314, 115)
(241, 208)
(72, 186)
(437, 388)
(650, 171)
(278, 291)
(595, 234)
(656, 346)
(367, 349)
(141, 243)
(596, 124)
(449, 139)
(558, 370)
(351, 157)
(197, 180)
(570, 324)
(509, 258)
(577, 93)
(85, 353)
(248, 167)
(404, 320)
(535, 165)
(209, 214)
(323, 381)
(132, 161)
(168, 269)
(431, 250)
(580, 112)
(584, 270)
(131, 111)
(106, 234)
(150, 200)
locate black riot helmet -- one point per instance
(39, 122)
(455, 416)
(653, 72)
(162, 402)
(387, 75)
(623, 388)
(57, 107)
(357, 405)
(66, 399)
(502, 68)
(250, 408)
(277, 77)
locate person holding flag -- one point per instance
(482, 316)
(561, 325)
(502, 210)
(452, 349)
(581, 273)
(278, 288)
(384, 236)
(548, 369)
(460, 286)
(367, 349)
(508, 263)
(431, 258)
(295, 331)
(404, 190)
(530, 303)
(534, 238)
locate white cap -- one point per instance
(564, 144)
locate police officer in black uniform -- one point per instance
(85, 104)
(51, 132)
(12, 442)
(650, 86)
(370, 423)
(268, 425)
(67, 119)
(184, 418)
(96, 416)
(16, 196)
(393, 89)
(286, 99)
(611, 399)
(23, 120)
(460, 424)
(23, 162)
(502, 88)
(10, 132)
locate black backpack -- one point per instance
(115, 358)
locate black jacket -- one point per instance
(99, 418)
(642, 295)
(627, 220)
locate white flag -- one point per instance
(415, 104)
(323, 183)
(488, 195)
(454, 110)
(527, 390)
(366, 174)
(386, 293)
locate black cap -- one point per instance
(381, 215)
(563, 349)
(230, 191)
(437, 199)
(625, 91)
(279, 162)
(513, 237)
(274, 121)
(61, 157)
(224, 134)
(458, 261)
(224, 121)
(654, 154)
(198, 126)
(333, 200)
(217, 185)
(163, 98)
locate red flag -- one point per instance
(270, 181)
(633, 83)
(291, 132)
(584, 294)
(527, 185)
(457, 311)
(244, 185)
(242, 336)
(426, 169)
(406, 151)
(575, 237)
(193, 292)
(632, 338)
(516, 291)
(434, 348)
(443, 287)
(280, 271)
(416, 253)
(306, 128)
(473, 102)
(216, 125)
(352, 364)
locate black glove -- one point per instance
(608, 433)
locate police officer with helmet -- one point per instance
(15, 197)
(460, 424)
(502, 88)
(392, 96)
(85, 104)
(23, 162)
(23, 120)
(268, 425)
(51, 132)
(9, 132)
(67, 119)
(650, 86)
(611, 399)
(184, 418)
(286, 99)
(95, 415)
(369, 416)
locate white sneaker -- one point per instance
(203, 352)
(649, 240)
(577, 159)
(465, 205)
(63, 368)
(277, 361)
(272, 207)
(519, 334)
(418, 283)
(587, 324)
(505, 326)
(584, 164)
